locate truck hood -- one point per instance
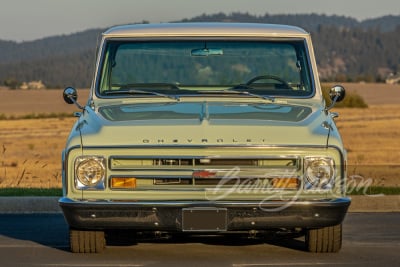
(206, 123)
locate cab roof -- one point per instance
(205, 29)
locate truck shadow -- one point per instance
(48, 229)
(126, 238)
(51, 230)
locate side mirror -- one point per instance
(70, 96)
(336, 94)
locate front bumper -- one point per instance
(170, 215)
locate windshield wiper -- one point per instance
(137, 91)
(270, 98)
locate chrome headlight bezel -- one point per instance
(90, 172)
(319, 172)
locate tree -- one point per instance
(12, 83)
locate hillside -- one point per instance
(346, 50)
(310, 22)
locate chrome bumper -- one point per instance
(169, 215)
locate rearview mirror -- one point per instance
(204, 52)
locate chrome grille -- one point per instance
(202, 172)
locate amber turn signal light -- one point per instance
(285, 183)
(123, 183)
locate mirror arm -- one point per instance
(76, 103)
(332, 104)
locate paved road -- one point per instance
(370, 239)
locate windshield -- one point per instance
(194, 67)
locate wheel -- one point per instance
(86, 241)
(328, 239)
(268, 77)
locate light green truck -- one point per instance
(205, 128)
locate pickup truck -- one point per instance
(205, 128)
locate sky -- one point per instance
(25, 20)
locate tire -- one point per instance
(86, 241)
(324, 240)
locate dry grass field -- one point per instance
(372, 139)
(22, 102)
(30, 150)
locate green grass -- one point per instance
(32, 116)
(375, 190)
(25, 192)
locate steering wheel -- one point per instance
(266, 77)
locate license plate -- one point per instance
(204, 219)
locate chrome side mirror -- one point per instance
(336, 94)
(70, 96)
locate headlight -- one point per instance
(90, 172)
(319, 172)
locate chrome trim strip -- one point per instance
(210, 146)
(207, 146)
(206, 157)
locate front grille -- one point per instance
(202, 172)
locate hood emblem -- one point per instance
(204, 174)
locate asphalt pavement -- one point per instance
(369, 239)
